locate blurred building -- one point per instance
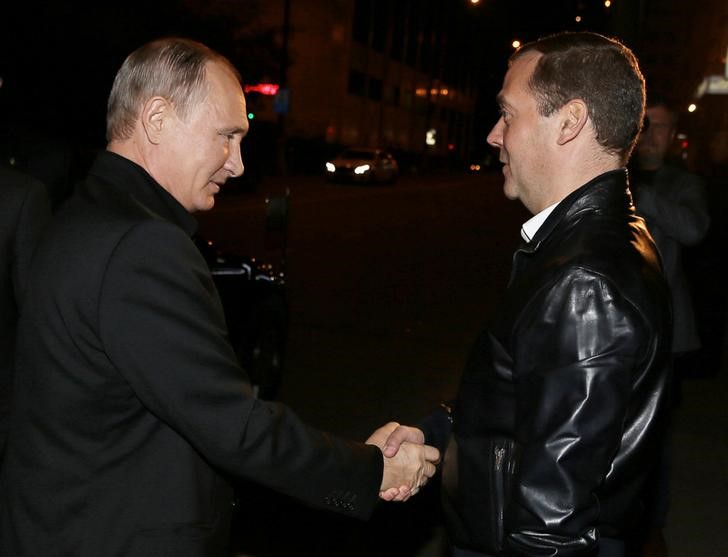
(370, 73)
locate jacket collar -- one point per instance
(608, 192)
(130, 178)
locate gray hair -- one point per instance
(172, 68)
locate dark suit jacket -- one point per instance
(24, 212)
(675, 207)
(131, 407)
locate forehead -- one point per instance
(515, 82)
(225, 95)
(659, 114)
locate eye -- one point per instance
(506, 116)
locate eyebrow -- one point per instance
(501, 101)
(228, 131)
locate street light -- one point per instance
(516, 43)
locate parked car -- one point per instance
(363, 164)
(256, 313)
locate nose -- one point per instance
(234, 163)
(495, 137)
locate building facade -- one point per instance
(373, 73)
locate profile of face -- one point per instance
(199, 152)
(655, 140)
(522, 136)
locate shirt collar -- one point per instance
(531, 226)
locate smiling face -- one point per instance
(201, 151)
(523, 137)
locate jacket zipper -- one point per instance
(499, 453)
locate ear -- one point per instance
(155, 113)
(573, 117)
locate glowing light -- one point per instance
(269, 89)
(693, 107)
(363, 169)
(578, 19)
(251, 115)
(330, 167)
(607, 3)
(516, 43)
(431, 137)
(421, 92)
(475, 2)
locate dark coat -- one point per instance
(562, 402)
(24, 213)
(675, 206)
(132, 410)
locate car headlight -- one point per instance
(363, 169)
(330, 167)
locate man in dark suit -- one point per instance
(24, 212)
(131, 410)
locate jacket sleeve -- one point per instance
(162, 326)
(679, 208)
(573, 368)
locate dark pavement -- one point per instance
(388, 286)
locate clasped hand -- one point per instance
(408, 462)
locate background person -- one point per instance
(562, 402)
(24, 213)
(673, 203)
(131, 411)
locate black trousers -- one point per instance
(608, 547)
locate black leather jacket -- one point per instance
(563, 399)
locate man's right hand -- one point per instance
(411, 467)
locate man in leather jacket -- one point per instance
(562, 402)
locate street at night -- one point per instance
(388, 286)
(124, 415)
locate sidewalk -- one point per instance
(697, 524)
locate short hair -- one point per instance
(173, 68)
(598, 70)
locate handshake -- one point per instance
(408, 462)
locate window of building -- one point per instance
(362, 19)
(391, 95)
(380, 24)
(375, 89)
(357, 83)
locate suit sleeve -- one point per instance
(163, 328)
(573, 384)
